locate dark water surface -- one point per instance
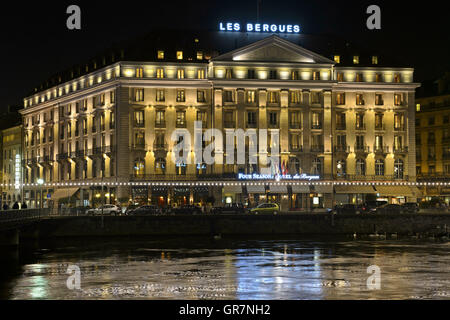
(227, 269)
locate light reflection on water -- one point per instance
(235, 269)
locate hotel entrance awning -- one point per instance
(63, 193)
(278, 188)
(300, 188)
(352, 189)
(232, 189)
(256, 189)
(323, 188)
(394, 191)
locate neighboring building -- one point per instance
(11, 165)
(433, 140)
(111, 127)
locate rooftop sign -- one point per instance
(259, 27)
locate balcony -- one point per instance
(159, 146)
(62, 156)
(160, 124)
(296, 148)
(381, 149)
(399, 128)
(273, 126)
(341, 126)
(360, 127)
(380, 127)
(295, 125)
(229, 124)
(342, 148)
(97, 151)
(80, 153)
(139, 146)
(139, 124)
(316, 148)
(400, 150)
(362, 148)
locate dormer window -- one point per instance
(374, 59)
(337, 59)
(355, 59)
(179, 55)
(199, 55)
(160, 54)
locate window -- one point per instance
(315, 97)
(337, 59)
(295, 141)
(398, 169)
(85, 128)
(379, 167)
(160, 95)
(398, 99)
(341, 168)
(398, 143)
(359, 77)
(316, 120)
(160, 119)
(160, 73)
(251, 96)
(201, 74)
(397, 78)
(160, 166)
(431, 121)
(355, 59)
(180, 96)
(379, 99)
(446, 119)
(378, 142)
(360, 167)
(294, 120)
(139, 167)
(360, 143)
(340, 76)
(139, 118)
(374, 59)
(272, 74)
(340, 99)
(180, 73)
(181, 119)
(251, 74)
(359, 99)
(273, 119)
(379, 121)
(112, 120)
(399, 121)
(139, 72)
(179, 55)
(199, 55)
(294, 75)
(160, 54)
(294, 96)
(317, 166)
(378, 77)
(316, 75)
(340, 121)
(201, 96)
(69, 132)
(94, 124)
(201, 116)
(251, 119)
(229, 74)
(138, 95)
(112, 97)
(228, 96)
(272, 97)
(139, 139)
(228, 119)
(360, 121)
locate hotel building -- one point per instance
(106, 133)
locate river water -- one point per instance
(227, 269)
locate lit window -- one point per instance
(160, 54)
(201, 73)
(139, 72)
(418, 107)
(199, 55)
(179, 55)
(180, 73)
(160, 73)
(355, 59)
(374, 59)
(337, 59)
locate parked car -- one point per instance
(187, 209)
(230, 208)
(266, 208)
(411, 207)
(145, 210)
(107, 209)
(371, 206)
(348, 209)
(130, 208)
(391, 209)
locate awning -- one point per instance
(300, 188)
(256, 189)
(278, 188)
(354, 189)
(394, 191)
(323, 188)
(63, 193)
(232, 189)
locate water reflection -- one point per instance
(231, 269)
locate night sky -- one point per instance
(36, 44)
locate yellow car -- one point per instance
(266, 208)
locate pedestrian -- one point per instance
(24, 205)
(5, 206)
(16, 206)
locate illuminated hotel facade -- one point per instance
(110, 129)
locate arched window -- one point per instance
(160, 166)
(379, 167)
(139, 167)
(360, 167)
(317, 166)
(294, 166)
(398, 169)
(341, 168)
